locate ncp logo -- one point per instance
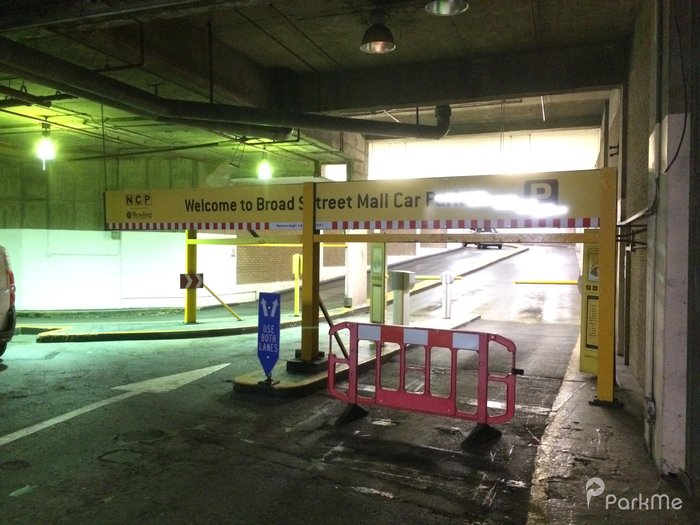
(138, 199)
(594, 487)
(545, 190)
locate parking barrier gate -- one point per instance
(442, 402)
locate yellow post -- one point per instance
(190, 268)
(608, 258)
(310, 278)
(222, 302)
(296, 270)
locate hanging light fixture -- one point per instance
(446, 7)
(45, 148)
(264, 167)
(378, 39)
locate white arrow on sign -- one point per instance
(275, 304)
(154, 386)
(191, 280)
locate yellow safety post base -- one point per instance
(615, 403)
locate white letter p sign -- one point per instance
(543, 190)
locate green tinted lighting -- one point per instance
(45, 148)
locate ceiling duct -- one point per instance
(17, 97)
(65, 76)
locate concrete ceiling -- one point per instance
(110, 75)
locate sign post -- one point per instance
(268, 332)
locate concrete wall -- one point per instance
(656, 182)
(670, 341)
(52, 221)
(635, 180)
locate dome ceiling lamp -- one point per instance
(378, 39)
(446, 7)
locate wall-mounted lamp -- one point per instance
(45, 148)
(446, 7)
(378, 39)
(264, 168)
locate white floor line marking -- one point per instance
(157, 385)
(4, 440)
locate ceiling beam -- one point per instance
(185, 62)
(476, 128)
(39, 14)
(599, 66)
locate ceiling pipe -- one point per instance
(149, 107)
(52, 71)
(226, 113)
(19, 97)
(225, 128)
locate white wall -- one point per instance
(85, 270)
(489, 154)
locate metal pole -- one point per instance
(447, 279)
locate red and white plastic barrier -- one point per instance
(444, 403)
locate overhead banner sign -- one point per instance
(562, 199)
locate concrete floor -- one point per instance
(117, 445)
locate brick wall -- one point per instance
(401, 248)
(333, 256)
(264, 264)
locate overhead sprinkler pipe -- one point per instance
(80, 81)
(70, 78)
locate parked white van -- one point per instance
(7, 301)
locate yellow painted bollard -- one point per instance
(297, 261)
(190, 268)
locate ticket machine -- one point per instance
(589, 287)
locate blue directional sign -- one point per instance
(268, 330)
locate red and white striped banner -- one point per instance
(443, 224)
